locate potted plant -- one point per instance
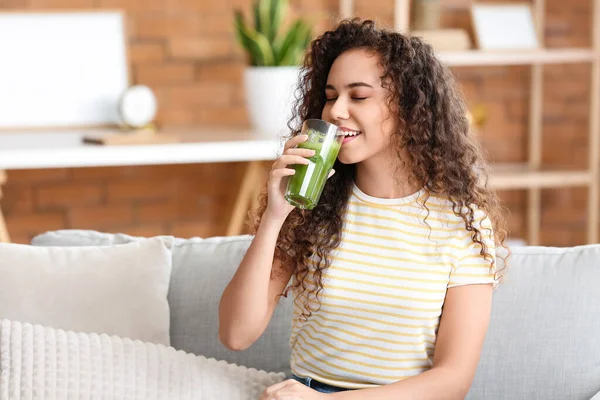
(274, 58)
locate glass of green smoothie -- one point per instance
(306, 185)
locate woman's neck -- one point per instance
(381, 177)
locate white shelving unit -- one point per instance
(530, 175)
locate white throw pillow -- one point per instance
(42, 362)
(118, 290)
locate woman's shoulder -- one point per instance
(443, 207)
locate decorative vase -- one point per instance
(270, 98)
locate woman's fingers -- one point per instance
(280, 173)
(297, 151)
(286, 160)
(293, 142)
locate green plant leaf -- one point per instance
(255, 43)
(264, 16)
(290, 48)
(256, 17)
(279, 9)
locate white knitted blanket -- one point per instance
(44, 363)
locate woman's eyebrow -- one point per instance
(351, 85)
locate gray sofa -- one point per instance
(543, 341)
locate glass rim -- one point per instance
(338, 132)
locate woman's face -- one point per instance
(356, 103)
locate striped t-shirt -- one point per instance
(384, 291)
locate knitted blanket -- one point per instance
(45, 363)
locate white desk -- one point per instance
(65, 149)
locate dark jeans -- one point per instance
(318, 386)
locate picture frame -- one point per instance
(63, 68)
(490, 22)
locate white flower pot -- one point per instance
(270, 98)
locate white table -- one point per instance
(66, 149)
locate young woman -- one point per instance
(392, 273)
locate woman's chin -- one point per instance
(348, 158)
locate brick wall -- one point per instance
(185, 50)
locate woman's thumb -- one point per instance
(331, 173)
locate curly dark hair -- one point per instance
(445, 157)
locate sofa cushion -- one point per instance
(119, 290)
(543, 341)
(43, 362)
(201, 270)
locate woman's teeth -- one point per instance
(351, 133)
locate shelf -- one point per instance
(519, 176)
(65, 149)
(548, 56)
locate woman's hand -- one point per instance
(291, 389)
(278, 207)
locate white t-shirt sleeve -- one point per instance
(471, 266)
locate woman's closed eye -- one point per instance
(353, 98)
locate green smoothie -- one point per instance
(306, 185)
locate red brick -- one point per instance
(566, 130)
(195, 229)
(17, 199)
(233, 116)
(464, 4)
(60, 4)
(164, 73)
(510, 131)
(512, 197)
(146, 52)
(212, 25)
(166, 172)
(518, 109)
(161, 26)
(516, 223)
(34, 223)
(479, 72)
(200, 6)
(17, 4)
(559, 236)
(564, 152)
(470, 89)
(177, 116)
(232, 72)
(201, 94)
(565, 197)
(146, 6)
(21, 238)
(200, 48)
(571, 88)
(567, 71)
(564, 216)
(100, 217)
(37, 175)
(69, 194)
(496, 112)
(507, 150)
(140, 190)
(501, 88)
(101, 173)
(162, 211)
(144, 230)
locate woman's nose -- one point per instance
(339, 110)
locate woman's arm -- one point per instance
(463, 326)
(249, 300)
